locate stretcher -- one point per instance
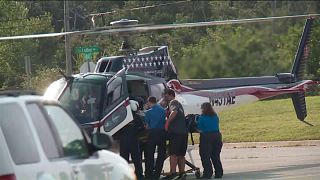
(191, 164)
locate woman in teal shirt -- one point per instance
(210, 142)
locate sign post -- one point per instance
(27, 63)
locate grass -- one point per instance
(273, 120)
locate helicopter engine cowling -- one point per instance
(154, 61)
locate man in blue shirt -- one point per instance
(155, 119)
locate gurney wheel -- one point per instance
(197, 173)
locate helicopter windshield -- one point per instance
(83, 100)
(54, 89)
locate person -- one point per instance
(129, 143)
(210, 142)
(178, 136)
(155, 120)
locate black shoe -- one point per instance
(148, 178)
(171, 176)
(156, 175)
(218, 176)
(205, 177)
(140, 177)
(182, 176)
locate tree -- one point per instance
(14, 21)
(221, 51)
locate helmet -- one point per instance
(134, 105)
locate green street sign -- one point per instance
(87, 51)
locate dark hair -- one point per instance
(169, 92)
(152, 100)
(207, 109)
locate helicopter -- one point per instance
(100, 100)
(150, 70)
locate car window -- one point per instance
(5, 160)
(72, 140)
(18, 135)
(44, 131)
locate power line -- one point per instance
(137, 8)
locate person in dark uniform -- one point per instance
(210, 142)
(178, 136)
(142, 135)
(129, 143)
(155, 120)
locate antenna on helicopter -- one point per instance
(65, 76)
(127, 47)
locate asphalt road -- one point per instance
(266, 162)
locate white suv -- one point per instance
(39, 140)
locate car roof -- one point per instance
(20, 98)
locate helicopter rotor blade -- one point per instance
(96, 31)
(197, 24)
(36, 36)
(145, 28)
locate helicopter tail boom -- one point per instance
(292, 83)
(302, 53)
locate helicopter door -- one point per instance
(116, 109)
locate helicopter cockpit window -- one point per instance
(82, 99)
(157, 90)
(138, 88)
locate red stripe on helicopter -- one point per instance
(259, 91)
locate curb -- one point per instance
(272, 144)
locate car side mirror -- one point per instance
(101, 141)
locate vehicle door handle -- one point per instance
(75, 169)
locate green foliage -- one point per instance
(252, 49)
(15, 22)
(41, 80)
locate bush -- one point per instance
(41, 80)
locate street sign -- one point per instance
(87, 51)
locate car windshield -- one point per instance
(83, 100)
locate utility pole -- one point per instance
(67, 39)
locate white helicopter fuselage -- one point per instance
(227, 98)
(192, 103)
